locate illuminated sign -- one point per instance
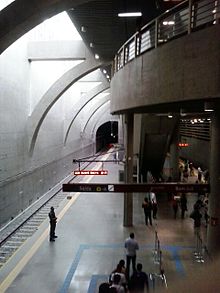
(182, 144)
(91, 172)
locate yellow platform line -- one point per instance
(22, 263)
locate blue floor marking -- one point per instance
(72, 270)
(174, 250)
(94, 281)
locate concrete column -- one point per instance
(128, 197)
(214, 202)
(174, 154)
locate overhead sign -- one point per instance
(85, 187)
(91, 172)
(182, 144)
(156, 187)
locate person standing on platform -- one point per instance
(196, 216)
(147, 206)
(53, 222)
(154, 209)
(183, 205)
(139, 280)
(153, 200)
(131, 245)
(116, 284)
(199, 175)
(175, 206)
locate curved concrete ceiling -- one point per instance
(82, 103)
(22, 15)
(53, 94)
(97, 108)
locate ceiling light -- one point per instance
(182, 112)
(104, 71)
(83, 29)
(170, 115)
(208, 107)
(129, 14)
(96, 56)
(107, 76)
(171, 22)
(91, 45)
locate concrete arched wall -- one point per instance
(96, 108)
(82, 103)
(184, 69)
(53, 94)
(15, 21)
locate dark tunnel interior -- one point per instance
(106, 135)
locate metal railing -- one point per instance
(160, 276)
(199, 129)
(185, 18)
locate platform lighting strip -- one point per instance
(129, 14)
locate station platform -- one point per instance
(91, 239)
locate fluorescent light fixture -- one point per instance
(107, 76)
(96, 56)
(129, 14)
(104, 71)
(83, 29)
(170, 22)
(209, 107)
(170, 115)
(91, 45)
(182, 112)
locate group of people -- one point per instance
(120, 280)
(150, 207)
(189, 170)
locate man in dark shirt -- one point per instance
(139, 280)
(53, 221)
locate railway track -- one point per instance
(11, 242)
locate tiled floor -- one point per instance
(91, 241)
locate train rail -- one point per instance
(19, 232)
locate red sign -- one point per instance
(182, 144)
(91, 172)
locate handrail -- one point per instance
(184, 18)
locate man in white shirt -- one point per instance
(116, 284)
(131, 246)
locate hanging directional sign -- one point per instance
(86, 187)
(91, 172)
(156, 187)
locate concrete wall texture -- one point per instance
(24, 177)
(184, 69)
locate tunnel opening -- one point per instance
(106, 135)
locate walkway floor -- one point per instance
(91, 242)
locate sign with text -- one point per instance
(156, 187)
(91, 172)
(84, 187)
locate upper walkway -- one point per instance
(171, 63)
